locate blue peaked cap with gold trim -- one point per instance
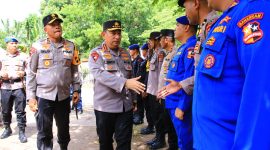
(11, 39)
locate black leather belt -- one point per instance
(11, 81)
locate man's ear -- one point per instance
(45, 29)
(187, 28)
(196, 4)
(102, 34)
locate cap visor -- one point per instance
(112, 29)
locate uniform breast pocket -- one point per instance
(213, 56)
(46, 61)
(19, 65)
(67, 61)
(110, 67)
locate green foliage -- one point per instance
(83, 21)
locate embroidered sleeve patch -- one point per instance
(95, 56)
(76, 59)
(32, 51)
(248, 18)
(252, 32)
(161, 56)
(190, 52)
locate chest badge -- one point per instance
(209, 61)
(211, 41)
(252, 33)
(47, 63)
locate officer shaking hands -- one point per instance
(53, 67)
(113, 89)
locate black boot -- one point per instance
(63, 146)
(159, 143)
(22, 137)
(7, 132)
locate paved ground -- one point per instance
(82, 131)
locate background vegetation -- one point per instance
(83, 21)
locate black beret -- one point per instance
(167, 32)
(50, 19)
(112, 25)
(154, 35)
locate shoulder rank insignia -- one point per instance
(209, 61)
(252, 32)
(248, 18)
(226, 19)
(95, 56)
(211, 41)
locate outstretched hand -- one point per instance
(171, 88)
(135, 85)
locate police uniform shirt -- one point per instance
(111, 70)
(164, 68)
(154, 70)
(231, 93)
(11, 64)
(211, 18)
(180, 68)
(52, 69)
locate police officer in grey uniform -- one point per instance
(167, 42)
(111, 68)
(53, 67)
(12, 66)
(152, 88)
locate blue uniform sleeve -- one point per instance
(188, 59)
(252, 39)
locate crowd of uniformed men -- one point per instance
(210, 93)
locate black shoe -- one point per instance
(137, 121)
(158, 144)
(151, 141)
(7, 132)
(81, 111)
(63, 146)
(147, 130)
(22, 137)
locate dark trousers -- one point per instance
(158, 117)
(148, 112)
(140, 109)
(169, 127)
(117, 124)
(8, 98)
(46, 110)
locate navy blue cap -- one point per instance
(145, 46)
(11, 39)
(183, 20)
(134, 46)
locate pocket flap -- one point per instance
(215, 42)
